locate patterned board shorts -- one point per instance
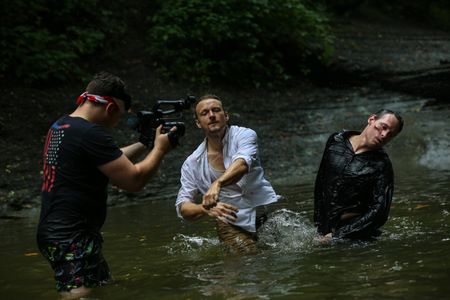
(77, 263)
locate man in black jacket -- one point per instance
(355, 181)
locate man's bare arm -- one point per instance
(192, 211)
(232, 175)
(133, 177)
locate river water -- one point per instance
(154, 255)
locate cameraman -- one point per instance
(79, 159)
(226, 169)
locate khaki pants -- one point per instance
(238, 239)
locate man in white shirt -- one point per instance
(226, 170)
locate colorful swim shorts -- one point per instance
(77, 263)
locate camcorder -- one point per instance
(168, 113)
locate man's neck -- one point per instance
(214, 143)
(214, 140)
(360, 144)
(86, 113)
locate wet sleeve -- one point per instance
(247, 147)
(189, 189)
(319, 189)
(318, 198)
(99, 146)
(378, 210)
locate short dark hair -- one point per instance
(204, 97)
(384, 111)
(106, 84)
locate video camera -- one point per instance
(168, 113)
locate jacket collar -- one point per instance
(344, 136)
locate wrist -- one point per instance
(204, 210)
(219, 183)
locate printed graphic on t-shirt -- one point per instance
(51, 151)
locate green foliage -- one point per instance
(43, 40)
(252, 41)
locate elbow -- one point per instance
(181, 210)
(190, 211)
(133, 185)
(135, 188)
(244, 169)
(137, 184)
(243, 166)
(132, 188)
(186, 214)
(139, 179)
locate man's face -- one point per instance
(380, 131)
(210, 116)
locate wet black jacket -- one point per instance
(347, 182)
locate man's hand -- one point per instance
(162, 142)
(224, 212)
(174, 138)
(323, 239)
(232, 175)
(211, 197)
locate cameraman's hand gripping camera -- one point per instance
(168, 113)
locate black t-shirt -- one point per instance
(74, 191)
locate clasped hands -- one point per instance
(216, 209)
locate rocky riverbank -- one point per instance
(393, 54)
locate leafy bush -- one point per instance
(253, 41)
(43, 40)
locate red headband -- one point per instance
(95, 98)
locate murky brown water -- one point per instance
(153, 255)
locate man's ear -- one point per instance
(371, 119)
(227, 116)
(197, 123)
(111, 108)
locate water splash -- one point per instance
(183, 244)
(287, 231)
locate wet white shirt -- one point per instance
(250, 191)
